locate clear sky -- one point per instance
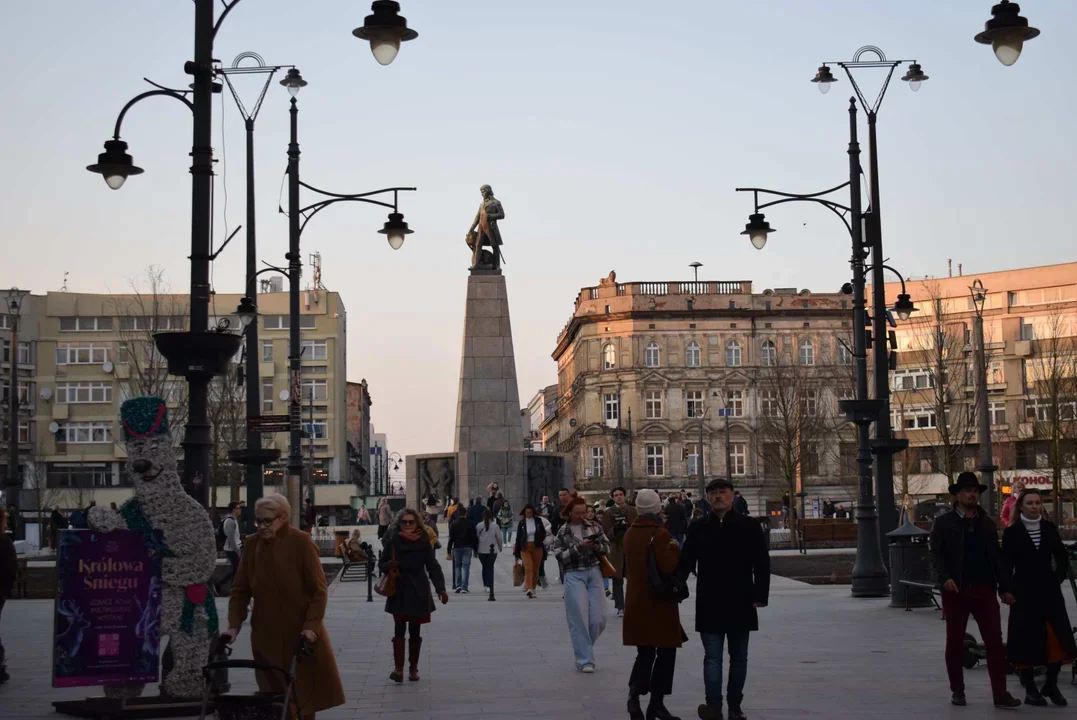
(614, 133)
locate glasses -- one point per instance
(264, 521)
(407, 522)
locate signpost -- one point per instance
(269, 423)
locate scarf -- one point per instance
(1033, 528)
(411, 535)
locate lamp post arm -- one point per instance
(227, 9)
(887, 267)
(836, 208)
(250, 283)
(799, 196)
(143, 96)
(352, 196)
(319, 206)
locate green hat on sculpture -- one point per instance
(144, 417)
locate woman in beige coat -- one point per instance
(282, 572)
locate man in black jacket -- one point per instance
(967, 562)
(727, 553)
(463, 543)
(8, 569)
(676, 520)
(475, 511)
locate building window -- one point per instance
(24, 353)
(317, 430)
(732, 353)
(768, 354)
(85, 324)
(997, 411)
(807, 352)
(612, 403)
(609, 356)
(691, 454)
(267, 351)
(913, 379)
(691, 354)
(693, 403)
(62, 475)
(81, 354)
(84, 392)
(1028, 331)
(150, 323)
(845, 357)
(918, 419)
(307, 322)
(652, 357)
(85, 433)
(598, 460)
(320, 389)
(267, 397)
(809, 459)
(314, 349)
(276, 322)
(738, 458)
(768, 403)
(653, 404)
(809, 403)
(24, 432)
(735, 403)
(656, 460)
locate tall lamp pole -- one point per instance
(885, 445)
(199, 354)
(14, 478)
(983, 417)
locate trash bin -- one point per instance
(909, 560)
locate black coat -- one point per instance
(732, 567)
(1036, 585)
(676, 521)
(948, 548)
(521, 536)
(462, 535)
(9, 567)
(474, 513)
(418, 568)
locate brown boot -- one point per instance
(414, 645)
(397, 675)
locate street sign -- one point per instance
(269, 423)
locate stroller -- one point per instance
(259, 706)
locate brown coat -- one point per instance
(648, 621)
(285, 579)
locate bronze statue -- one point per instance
(487, 233)
(440, 486)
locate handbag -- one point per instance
(665, 587)
(386, 585)
(517, 575)
(608, 571)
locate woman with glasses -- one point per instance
(281, 571)
(410, 553)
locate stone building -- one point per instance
(643, 367)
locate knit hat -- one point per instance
(647, 501)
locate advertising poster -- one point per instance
(108, 608)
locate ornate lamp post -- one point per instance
(1006, 32)
(15, 299)
(983, 417)
(199, 354)
(884, 445)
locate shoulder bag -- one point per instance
(665, 587)
(386, 586)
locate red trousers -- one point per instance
(981, 603)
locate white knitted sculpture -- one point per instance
(188, 613)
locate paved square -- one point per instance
(819, 654)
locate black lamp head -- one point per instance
(115, 165)
(395, 229)
(385, 30)
(757, 230)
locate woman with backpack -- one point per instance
(505, 520)
(652, 622)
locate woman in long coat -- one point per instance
(410, 551)
(281, 571)
(652, 624)
(1039, 630)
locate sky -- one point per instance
(613, 131)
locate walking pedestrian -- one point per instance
(740, 505)
(530, 538)
(652, 623)
(676, 520)
(1008, 514)
(490, 541)
(385, 516)
(505, 522)
(967, 561)
(1035, 562)
(432, 505)
(492, 490)
(282, 573)
(233, 546)
(9, 566)
(363, 518)
(408, 551)
(463, 542)
(475, 511)
(57, 522)
(545, 508)
(579, 550)
(616, 520)
(727, 553)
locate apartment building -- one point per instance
(89, 353)
(541, 406)
(651, 373)
(1030, 337)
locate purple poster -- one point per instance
(108, 608)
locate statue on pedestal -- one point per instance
(484, 232)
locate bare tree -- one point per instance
(228, 418)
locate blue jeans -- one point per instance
(506, 533)
(461, 566)
(712, 666)
(585, 609)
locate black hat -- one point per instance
(719, 484)
(966, 480)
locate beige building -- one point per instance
(541, 406)
(1030, 330)
(644, 366)
(92, 352)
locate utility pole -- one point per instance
(14, 479)
(983, 416)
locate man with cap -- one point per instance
(727, 553)
(967, 563)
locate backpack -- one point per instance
(620, 524)
(220, 535)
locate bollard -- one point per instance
(369, 579)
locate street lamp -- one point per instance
(14, 480)
(396, 230)
(246, 312)
(294, 82)
(987, 466)
(385, 30)
(825, 78)
(115, 165)
(1006, 32)
(695, 269)
(757, 230)
(884, 445)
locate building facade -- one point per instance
(541, 406)
(655, 378)
(92, 352)
(358, 422)
(1030, 337)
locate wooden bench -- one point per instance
(356, 571)
(931, 588)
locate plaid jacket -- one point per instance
(572, 554)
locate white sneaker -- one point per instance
(620, 613)
(588, 669)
